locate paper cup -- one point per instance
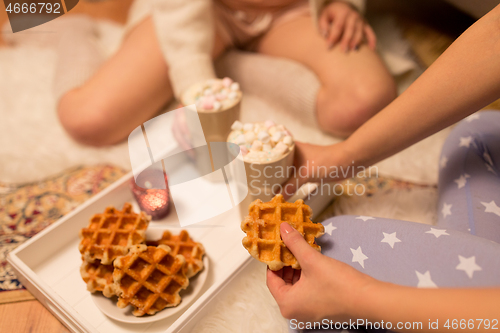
(216, 124)
(264, 178)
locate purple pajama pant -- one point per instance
(463, 249)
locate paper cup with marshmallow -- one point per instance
(218, 104)
(268, 152)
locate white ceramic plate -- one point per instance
(109, 308)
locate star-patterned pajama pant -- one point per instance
(463, 249)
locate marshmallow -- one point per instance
(199, 104)
(235, 86)
(248, 127)
(240, 139)
(277, 136)
(221, 96)
(257, 145)
(280, 148)
(216, 94)
(207, 104)
(263, 136)
(217, 105)
(244, 150)
(237, 125)
(272, 130)
(263, 142)
(217, 85)
(288, 140)
(249, 137)
(226, 82)
(232, 95)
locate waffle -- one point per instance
(149, 278)
(98, 277)
(183, 244)
(111, 233)
(262, 226)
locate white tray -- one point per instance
(48, 264)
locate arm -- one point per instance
(461, 81)
(328, 288)
(395, 303)
(464, 79)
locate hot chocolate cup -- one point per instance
(265, 179)
(216, 124)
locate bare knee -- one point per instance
(86, 119)
(341, 112)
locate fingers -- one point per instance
(324, 24)
(335, 31)
(357, 38)
(275, 283)
(297, 244)
(348, 33)
(296, 276)
(288, 273)
(371, 38)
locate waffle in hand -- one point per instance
(262, 226)
(183, 244)
(98, 277)
(149, 278)
(111, 233)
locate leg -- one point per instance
(401, 252)
(469, 177)
(127, 90)
(410, 254)
(354, 86)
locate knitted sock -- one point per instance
(78, 55)
(280, 81)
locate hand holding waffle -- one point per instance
(262, 226)
(323, 288)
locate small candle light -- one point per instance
(153, 201)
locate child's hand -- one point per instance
(323, 288)
(339, 23)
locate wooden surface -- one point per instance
(15, 296)
(29, 316)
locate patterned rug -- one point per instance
(26, 209)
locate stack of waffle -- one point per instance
(117, 260)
